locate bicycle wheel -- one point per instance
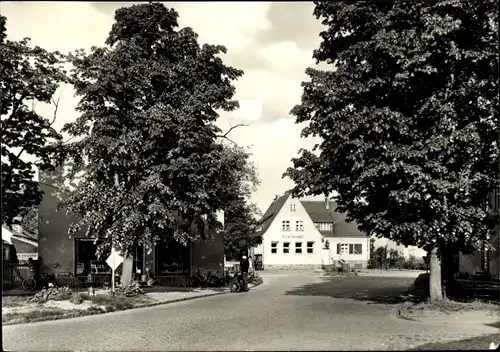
(28, 284)
(235, 287)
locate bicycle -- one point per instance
(30, 283)
(204, 280)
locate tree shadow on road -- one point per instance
(495, 325)
(384, 290)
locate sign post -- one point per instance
(114, 260)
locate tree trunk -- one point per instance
(128, 262)
(435, 288)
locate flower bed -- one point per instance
(17, 310)
(62, 302)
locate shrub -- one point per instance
(130, 290)
(76, 298)
(95, 310)
(52, 294)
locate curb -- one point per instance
(173, 301)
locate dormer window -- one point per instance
(292, 207)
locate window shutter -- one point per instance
(338, 248)
(358, 248)
(351, 248)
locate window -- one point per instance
(344, 248)
(299, 225)
(172, 258)
(285, 225)
(310, 247)
(355, 248)
(86, 259)
(274, 247)
(324, 226)
(292, 207)
(286, 247)
(298, 247)
(350, 248)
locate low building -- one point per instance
(170, 263)
(483, 261)
(406, 251)
(18, 244)
(300, 234)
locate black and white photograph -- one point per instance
(250, 176)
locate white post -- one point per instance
(113, 272)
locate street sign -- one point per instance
(115, 259)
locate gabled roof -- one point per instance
(318, 213)
(8, 235)
(341, 228)
(271, 212)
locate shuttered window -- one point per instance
(351, 248)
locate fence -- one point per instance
(13, 274)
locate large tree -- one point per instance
(240, 216)
(408, 116)
(28, 75)
(148, 142)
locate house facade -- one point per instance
(300, 234)
(169, 263)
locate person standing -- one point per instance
(244, 266)
(251, 271)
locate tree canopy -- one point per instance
(408, 117)
(148, 143)
(240, 217)
(29, 75)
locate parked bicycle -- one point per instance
(205, 279)
(30, 283)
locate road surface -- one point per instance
(290, 311)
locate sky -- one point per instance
(271, 42)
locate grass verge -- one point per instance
(100, 304)
(409, 310)
(475, 343)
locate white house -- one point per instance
(299, 234)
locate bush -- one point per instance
(130, 290)
(76, 298)
(52, 294)
(339, 270)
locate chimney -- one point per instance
(327, 203)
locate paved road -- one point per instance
(291, 311)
